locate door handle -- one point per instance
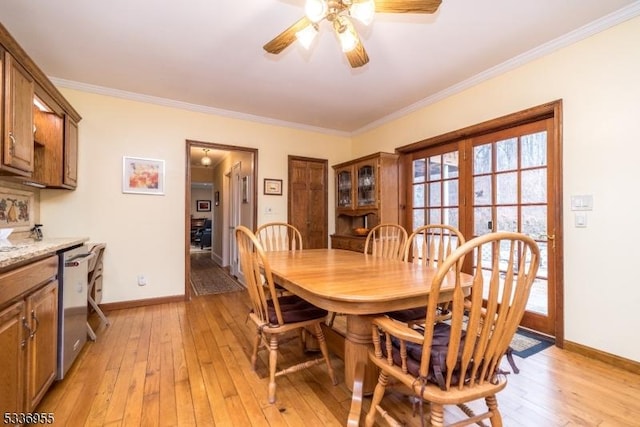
(552, 238)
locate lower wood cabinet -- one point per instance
(13, 347)
(28, 334)
(42, 360)
(350, 243)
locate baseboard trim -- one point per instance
(611, 359)
(141, 302)
(216, 258)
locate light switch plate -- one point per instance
(582, 202)
(580, 219)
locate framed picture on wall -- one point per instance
(273, 187)
(203, 205)
(216, 198)
(142, 176)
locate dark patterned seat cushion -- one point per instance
(409, 315)
(437, 361)
(294, 309)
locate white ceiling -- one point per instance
(207, 55)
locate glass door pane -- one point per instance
(366, 186)
(436, 189)
(510, 193)
(344, 189)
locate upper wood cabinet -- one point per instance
(56, 144)
(70, 177)
(39, 138)
(366, 195)
(17, 134)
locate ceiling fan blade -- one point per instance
(407, 6)
(285, 38)
(358, 56)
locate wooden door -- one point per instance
(18, 116)
(70, 177)
(513, 176)
(42, 313)
(308, 200)
(13, 344)
(235, 189)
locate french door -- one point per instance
(499, 181)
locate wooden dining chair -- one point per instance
(279, 236)
(458, 361)
(428, 245)
(273, 314)
(94, 284)
(386, 241)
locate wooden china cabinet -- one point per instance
(367, 194)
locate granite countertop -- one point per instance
(14, 252)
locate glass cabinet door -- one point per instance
(345, 187)
(366, 185)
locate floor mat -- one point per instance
(526, 343)
(208, 278)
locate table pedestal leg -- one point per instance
(356, 350)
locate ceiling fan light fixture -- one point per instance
(315, 10)
(307, 35)
(363, 11)
(346, 34)
(206, 160)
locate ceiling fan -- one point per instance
(339, 14)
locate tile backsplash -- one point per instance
(19, 207)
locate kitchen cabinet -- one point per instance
(28, 333)
(70, 160)
(13, 345)
(39, 138)
(367, 194)
(56, 144)
(42, 314)
(17, 123)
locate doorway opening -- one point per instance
(210, 195)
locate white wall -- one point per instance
(599, 82)
(146, 234)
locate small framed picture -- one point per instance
(142, 176)
(216, 198)
(273, 187)
(203, 205)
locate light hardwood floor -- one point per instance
(187, 364)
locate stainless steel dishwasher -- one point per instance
(72, 305)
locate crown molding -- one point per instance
(597, 26)
(165, 102)
(568, 39)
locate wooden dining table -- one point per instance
(359, 286)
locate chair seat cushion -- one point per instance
(437, 364)
(409, 315)
(294, 309)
